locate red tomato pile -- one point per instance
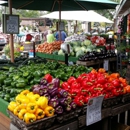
(99, 41)
(94, 84)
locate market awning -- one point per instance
(89, 16)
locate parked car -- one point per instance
(3, 42)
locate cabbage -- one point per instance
(87, 42)
(83, 48)
(77, 49)
(79, 53)
(88, 50)
(72, 53)
(91, 46)
(60, 52)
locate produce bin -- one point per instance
(37, 125)
(3, 106)
(56, 57)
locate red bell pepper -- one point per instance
(48, 77)
(116, 83)
(75, 85)
(108, 86)
(71, 80)
(75, 92)
(82, 77)
(79, 100)
(86, 84)
(101, 78)
(116, 92)
(84, 91)
(65, 86)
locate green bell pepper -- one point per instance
(7, 97)
(7, 81)
(2, 78)
(20, 85)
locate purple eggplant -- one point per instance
(35, 86)
(73, 105)
(56, 81)
(68, 108)
(53, 92)
(59, 110)
(36, 90)
(47, 95)
(43, 81)
(53, 102)
(63, 93)
(63, 101)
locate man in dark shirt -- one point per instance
(63, 36)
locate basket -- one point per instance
(37, 125)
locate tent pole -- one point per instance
(11, 35)
(59, 1)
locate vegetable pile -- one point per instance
(30, 107)
(58, 98)
(49, 48)
(52, 96)
(16, 79)
(94, 84)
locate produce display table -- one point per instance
(56, 57)
(99, 63)
(79, 122)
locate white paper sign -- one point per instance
(94, 110)
(105, 65)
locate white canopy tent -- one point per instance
(89, 16)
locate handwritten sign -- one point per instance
(11, 24)
(94, 110)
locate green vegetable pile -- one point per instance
(16, 79)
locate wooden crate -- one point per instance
(37, 125)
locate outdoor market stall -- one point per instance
(24, 78)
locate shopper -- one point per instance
(50, 37)
(63, 36)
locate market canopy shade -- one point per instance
(53, 5)
(89, 16)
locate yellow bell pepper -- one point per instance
(35, 98)
(12, 105)
(19, 98)
(22, 113)
(17, 110)
(31, 107)
(30, 95)
(29, 118)
(42, 102)
(39, 113)
(25, 92)
(49, 111)
(23, 106)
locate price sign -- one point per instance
(106, 65)
(94, 110)
(11, 24)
